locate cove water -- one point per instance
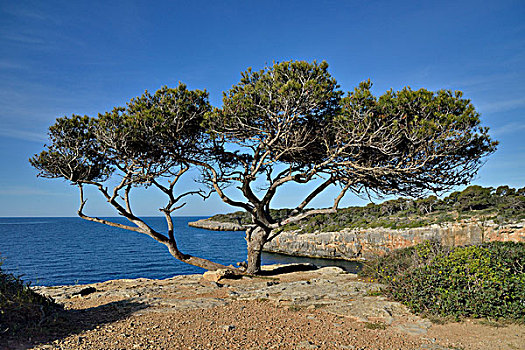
(60, 251)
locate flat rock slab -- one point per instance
(329, 289)
(321, 309)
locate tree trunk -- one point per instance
(255, 245)
(254, 260)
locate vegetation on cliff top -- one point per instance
(502, 205)
(474, 281)
(21, 309)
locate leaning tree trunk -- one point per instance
(196, 261)
(255, 245)
(170, 242)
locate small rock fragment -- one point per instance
(307, 345)
(228, 328)
(217, 275)
(331, 270)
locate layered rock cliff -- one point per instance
(354, 244)
(351, 244)
(216, 225)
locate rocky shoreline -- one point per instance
(216, 225)
(359, 244)
(324, 308)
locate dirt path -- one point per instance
(322, 309)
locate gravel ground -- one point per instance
(239, 325)
(187, 312)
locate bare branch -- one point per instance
(155, 235)
(313, 194)
(301, 216)
(214, 179)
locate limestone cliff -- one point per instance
(365, 243)
(351, 244)
(216, 225)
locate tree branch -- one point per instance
(155, 235)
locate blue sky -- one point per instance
(63, 57)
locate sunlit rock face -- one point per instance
(216, 225)
(353, 244)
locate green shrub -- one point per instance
(290, 227)
(477, 281)
(20, 307)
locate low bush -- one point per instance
(21, 308)
(487, 280)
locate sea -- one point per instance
(66, 250)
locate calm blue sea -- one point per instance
(58, 251)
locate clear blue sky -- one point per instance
(84, 57)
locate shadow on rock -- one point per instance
(63, 323)
(288, 269)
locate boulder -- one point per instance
(217, 275)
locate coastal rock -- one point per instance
(328, 288)
(217, 275)
(323, 308)
(216, 225)
(366, 243)
(354, 244)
